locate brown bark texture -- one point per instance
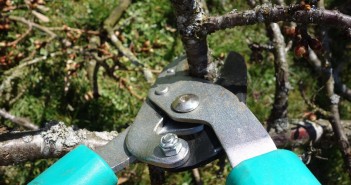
(190, 17)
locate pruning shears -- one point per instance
(184, 123)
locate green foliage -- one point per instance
(59, 87)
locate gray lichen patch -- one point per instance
(59, 137)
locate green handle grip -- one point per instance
(279, 167)
(78, 167)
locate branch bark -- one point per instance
(279, 115)
(17, 147)
(190, 16)
(109, 24)
(35, 25)
(266, 13)
(24, 122)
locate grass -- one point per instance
(148, 28)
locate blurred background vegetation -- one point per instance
(56, 81)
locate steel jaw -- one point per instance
(143, 140)
(240, 133)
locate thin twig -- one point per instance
(335, 121)
(108, 26)
(340, 88)
(197, 176)
(67, 28)
(279, 114)
(24, 122)
(124, 83)
(13, 43)
(313, 106)
(31, 62)
(35, 25)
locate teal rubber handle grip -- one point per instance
(78, 167)
(279, 167)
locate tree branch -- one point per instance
(335, 121)
(190, 16)
(24, 122)
(303, 132)
(275, 13)
(55, 141)
(35, 25)
(279, 114)
(340, 88)
(13, 43)
(108, 26)
(16, 147)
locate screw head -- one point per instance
(185, 103)
(170, 71)
(161, 90)
(170, 144)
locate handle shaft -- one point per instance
(274, 168)
(80, 166)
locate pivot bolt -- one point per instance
(170, 71)
(170, 144)
(185, 103)
(161, 90)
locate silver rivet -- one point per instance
(170, 71)
(170, 144)
(161, 90)
(185, 103)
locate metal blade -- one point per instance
(233, 75)
(115, 153)
(240, 133)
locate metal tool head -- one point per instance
(206, 118)
(199, 143)
(240, 133)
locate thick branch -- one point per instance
(268, 14)
(190, 15)
(52, 142)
